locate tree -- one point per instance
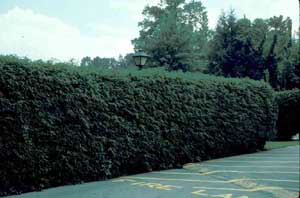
(279, 61)
(174, 33)
(258, 50)
(290, 75)
(86, 61)
(126, 61)
(233, 51)
(271, 62)
(99, 62)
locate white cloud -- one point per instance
(36, 36)
(133, 8)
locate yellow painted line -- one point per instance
(211, 165)
(270, 154)
(200, 192)
(259, 157)
(279, 155)
(209, 181)
(276, 153)
(247, 190)
(221, 161)
(226, 171)
(123, 180)
(174, 179)
(271, 180)
(252, 172)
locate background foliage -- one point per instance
(289, 114)
(176, 35)
(62, 125)
(260, 50)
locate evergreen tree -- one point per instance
(241, 48)
(271, 62)
(234, 52)
(290, 75)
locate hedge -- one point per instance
(288, 123)
(60, 126)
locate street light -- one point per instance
(140, 59)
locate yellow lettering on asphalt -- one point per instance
(276, 192)
(155, 186)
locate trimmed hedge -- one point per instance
(288, 123)
(60, 126)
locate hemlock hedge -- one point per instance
(289, 114)
(59, 126)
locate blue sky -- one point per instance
(66, 29)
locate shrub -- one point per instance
(60, 126)
(288, 123)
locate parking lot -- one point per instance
(273, 173)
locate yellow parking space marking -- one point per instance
(210, 181)
(200, 192)
(190, 165)
(252, 172)
(277, 192)
(259, 157)
(247, 161)
(277, 153)
(271, 155)
(123, 180)
(227, 171)
(211, 165)
(203, 193)
(269, 180)
(181, 180)
(243, 190)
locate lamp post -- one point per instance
(140, 59)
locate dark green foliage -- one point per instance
(288, 123)
(108, 63)
(175, 33)
(60, 126)
(271, 63)
(236, 49)
(99, 62)
(290, 67)
(262, 49)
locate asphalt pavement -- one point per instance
(266, 174)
